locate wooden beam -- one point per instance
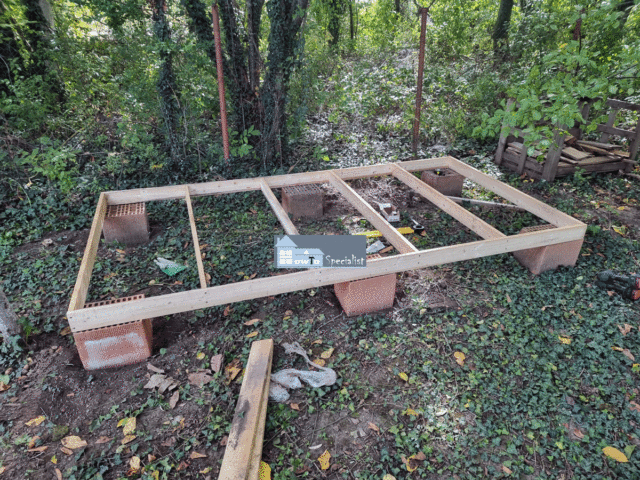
(251, 184)
(619, 104)
(550, 167)
(283, 216)
(444, 203)
(538, 208)
(614, 131)
(390, 233)
(244, 445)
(178, 302)
(79, 295)
(196, 242)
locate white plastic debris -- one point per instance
(169, 267)
(291, 378)
(375, 247)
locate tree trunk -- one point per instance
(501, 28)
(8, 319)
(335, 7)
(624, 7)
(166, 86)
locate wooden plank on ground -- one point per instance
(247, 428)
(518, 148)
(594, 149)
(568, 160)
(622, 153)
(81, 288)
(280, 212)
(597, 160)
(196, 242)
(575, 154)
(447, 205)
(390, 233)
(604, 146)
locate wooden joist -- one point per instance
(367, 211)
(606, 129)
(575, 154)
(619, 104)
(276, 206)
(196, 242)
(244, 447)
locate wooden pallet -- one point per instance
(410, 258)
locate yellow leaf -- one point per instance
(122, 421)
(410, 411)
(324, 460)
(265, 471)
(206, 470)
(73, 442)
(320, 362)
(253, 321)
(195, 455)
(2, 469)
(127, 439)
(506, 470)
(388, 476)
(414, 461)
(200, 355)
(252, 334)
(54, 460)
(565, 340)
(617, 349)
(327, 353)
(35, 421)
(65, 331)
(129, 426)
(620, 230)
(38, 449)
(319, 341)
(58, 474)
(32, 442)
(459, 358)
(616, 454)
(134, 463)
(4, 387)
(404, 376)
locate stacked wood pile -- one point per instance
(572, 152)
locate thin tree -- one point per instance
(500, 34)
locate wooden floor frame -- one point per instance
(494, 242)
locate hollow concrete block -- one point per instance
(116, 345)
(303, 201)
(550, 257)
(369, 295)
(447, 182)
(128, 224)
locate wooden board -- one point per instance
(604, 146)
(619, 104)
(244, 445)
(616, 131)
(575, 154)
(594, 149)
(518, 148)
(196, 242)
(597, 160)
(276, 206)
(81, 319)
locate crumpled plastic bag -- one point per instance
(291, 378)
(169, 267)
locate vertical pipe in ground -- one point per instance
(223, 104)
(416, 121)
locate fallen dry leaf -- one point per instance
(224, 440)
(102, 440)
(4, 387)
(206, 470)
(320, 362)
(508, 298)
(199, 379)
(134, 464)
(634, 406)
(232, 370)
(578, 433)
(404, 376)
(264, 472)
(58, 474)
(625, 329)
(183, 466)
(73, 442)
(66, 451)
(627, 353)
(227, 311)
(54, 460)
(506, 470)
(127, 439)
(34, 422)
(411, 412)
(414, 461)
(252, 334)
(460, 358)
(173, 401)
(161, 382)
(616, 454)
(200, 356)
(3, 468)
(216, 363)
(151, 458)
(327, 353)
(325, 460)
(318, 342)
(129, 426)
(65, 331)
(38, 449)
(374, 427)
(253, 321)
(32, 442)
(295, 406)
(195, 455)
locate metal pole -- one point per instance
(223, 104)
(416, 121)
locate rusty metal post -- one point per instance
(416, 121)
(223, 104)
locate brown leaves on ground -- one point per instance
(232, 370)
(625, 329)
(414, 461)
(73, 442)
(199, 379)
(161, 382)
(216, 363)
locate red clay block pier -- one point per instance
(116, 345)
(303, 201)
(360, 297)
(128, 224)
(446, 181)
(549, 257)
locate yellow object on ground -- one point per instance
(376, 233)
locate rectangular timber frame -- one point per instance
(494, 242)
